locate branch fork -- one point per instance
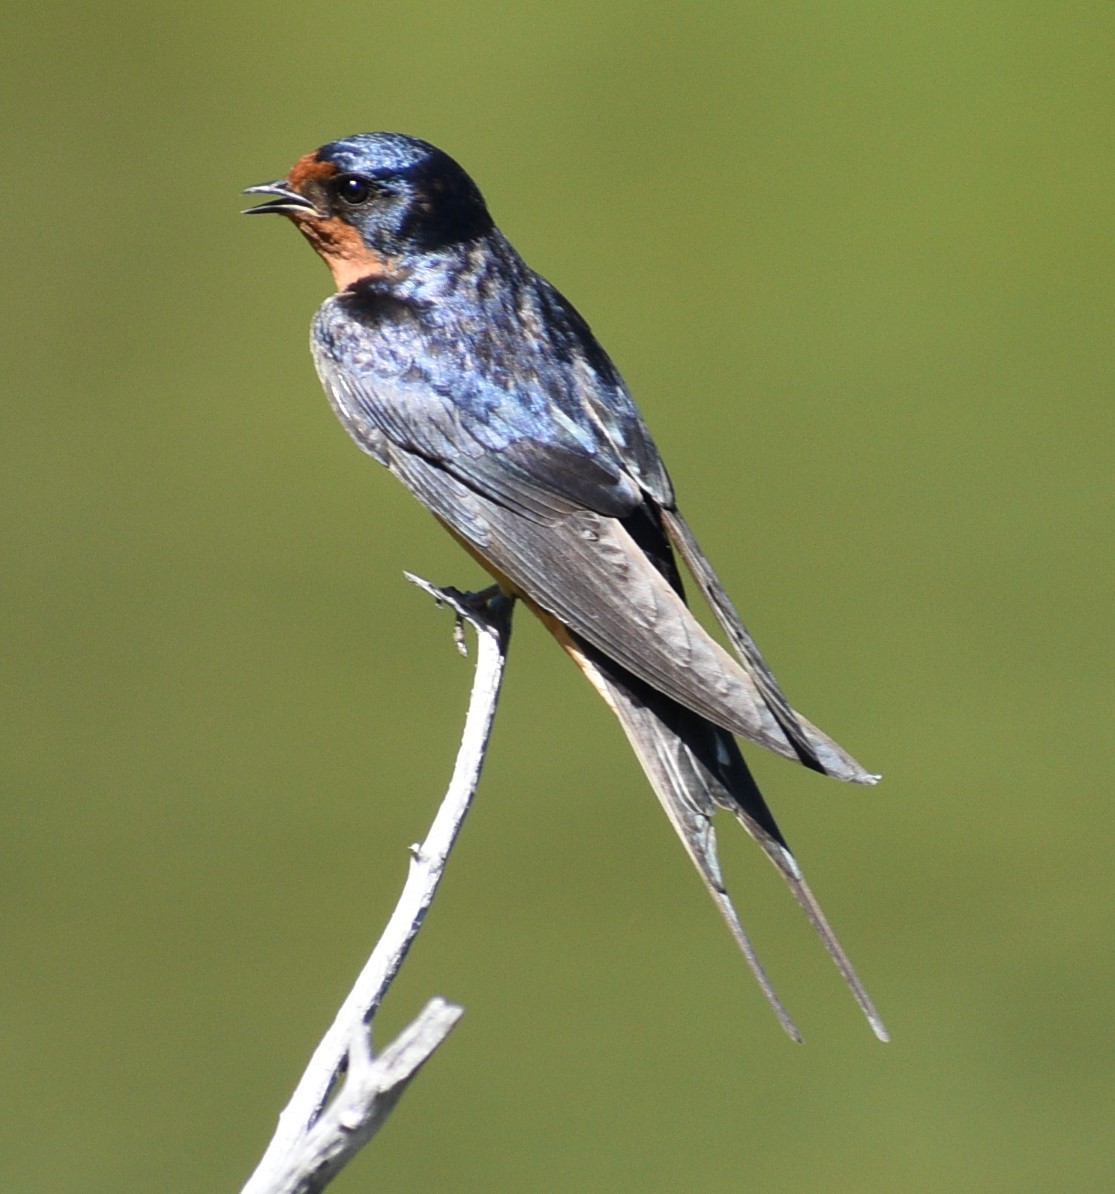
(346, 1092)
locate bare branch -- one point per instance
(317, 1136)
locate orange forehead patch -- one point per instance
(338, 243)
(309, 167)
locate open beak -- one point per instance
(288, 202)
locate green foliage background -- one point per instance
(855, 260)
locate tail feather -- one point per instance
(695, 767)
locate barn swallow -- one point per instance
(483, 390)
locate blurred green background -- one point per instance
(855, 260)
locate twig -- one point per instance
(316, 1137)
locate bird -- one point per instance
(484, 391)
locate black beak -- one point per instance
(288, 203)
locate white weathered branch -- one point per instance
(318, 1135)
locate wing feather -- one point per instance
(587, 571)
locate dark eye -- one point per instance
(353, 189)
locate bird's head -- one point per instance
(369, 204)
